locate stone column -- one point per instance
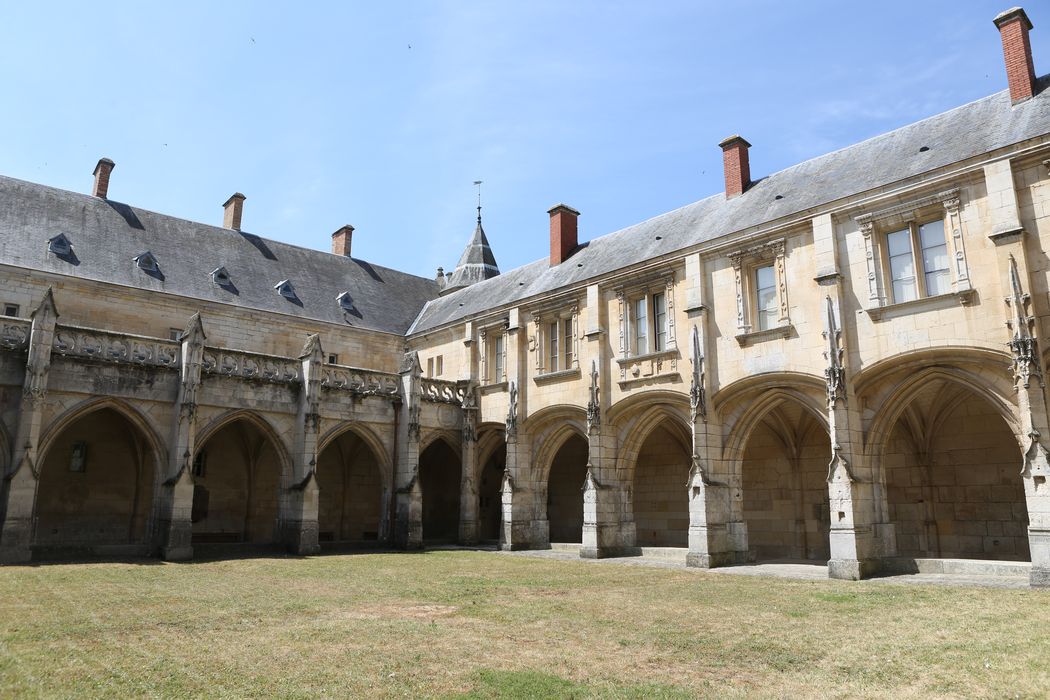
(18, 497)
(857, 539)
(468, 498)
(408, 496)
(1032, 412)
(524, 523)
(608, 522)
(300, 497)
(717, 535)
(175, 506)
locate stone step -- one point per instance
(967, 567)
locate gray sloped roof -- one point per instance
(979, 127)
(477, 262)
(106, 236)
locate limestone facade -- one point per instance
(855, 377)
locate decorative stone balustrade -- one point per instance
(242, 364)
(360, 381)
(121, 348)
(442, 391)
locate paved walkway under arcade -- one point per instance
(943, 572)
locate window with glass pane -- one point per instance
(641, 327)
(497, 359)
(566, 341)
(766, 297)
(552, 332)
(902, 266)
(934, 258)
(659, 322)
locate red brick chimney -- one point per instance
(1014, 26)
(564, 232)
(232, 210)
(102, 171)
(736, 165)
(341, 241)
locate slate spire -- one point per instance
(477, 262)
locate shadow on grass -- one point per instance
(526, 685)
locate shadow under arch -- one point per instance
(241, 467)
(492, 462)
(91, 502)
(355, 481)
(440, 481)
(949, 473)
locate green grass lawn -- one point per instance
(478, 625)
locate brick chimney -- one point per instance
(564, 232)
(736, 165)
(232, 210)
(102, 171)
(341, 241)
(1014, 26)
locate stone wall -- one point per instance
(661, 504)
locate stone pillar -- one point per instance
(18, 497)
(1032, 414)
(524, 523)
(174, 531)
(858, 540)
(608, 521)
(408, 496)
(468, 497)
(300, 496)
(717, 535)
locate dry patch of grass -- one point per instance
(466, 624)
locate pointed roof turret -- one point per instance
(477, 262)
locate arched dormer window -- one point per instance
(147, 261)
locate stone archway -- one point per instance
(440, 477)
(237, 475)
(490, 505)
(784, 468)
(953, 484)
(350, 490)
(96, 482)
(566, 475)
(658, 486)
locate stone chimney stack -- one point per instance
(341, 240)
(232, 210)
(1014, 26)
(564, 232)
(736, 165)
(102, 171)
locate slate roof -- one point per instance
(477, 262)
(979, 127)
(106, 236)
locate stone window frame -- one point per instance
(487, 343)
(542, 318)
(662, 281)
(876, 225)
(11, 310)
(746, 262)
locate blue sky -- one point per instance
(381, 115)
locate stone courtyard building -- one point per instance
(838, 362)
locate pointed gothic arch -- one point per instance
(354, 482)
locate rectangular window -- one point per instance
(766, 297)
(333, 359)
(566, 341)
(641, 326)
(902, 266)
(552, 331)
(918, 261)
(659, 322)
(430, 366)
(497, 358)
(934, 258)
(439, 365)
(174, 333)
(10, 309)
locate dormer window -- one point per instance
(220, 276)
(147, 261)
(346, 302)
(59, 245)
(286, 290)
